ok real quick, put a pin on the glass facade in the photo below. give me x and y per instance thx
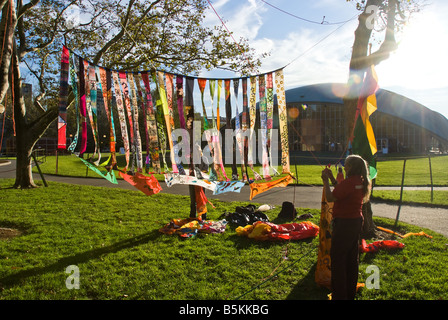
(321, 127)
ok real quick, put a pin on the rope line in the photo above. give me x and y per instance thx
(276, 274)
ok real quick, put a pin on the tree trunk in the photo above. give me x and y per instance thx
(369, 227)
(27, 133)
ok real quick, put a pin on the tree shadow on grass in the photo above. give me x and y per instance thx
(79, 258)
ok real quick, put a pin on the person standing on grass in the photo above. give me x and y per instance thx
(348, 197)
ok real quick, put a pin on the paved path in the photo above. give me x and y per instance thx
(435, 219)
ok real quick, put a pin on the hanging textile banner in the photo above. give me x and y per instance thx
(143, 102)
(217, 153)
(263, 125)
(108, 175)
(151, 125)
(228, 186)
(82, 106)
(121, 117)
(189, 112)
(172, 178)
(63, 98)
(283, 119)
(245, 122)
(218, 118)
(127, 104)
(74, 85)
(148, 185)
(270, 119)
(323, 268)
(166, 112)
(238, 131)
(134, 108)
(105, 78)
(229, 126)
(93, 112)
(257, 188)
(252, 119)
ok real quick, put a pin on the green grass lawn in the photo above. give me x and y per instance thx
(112, 236)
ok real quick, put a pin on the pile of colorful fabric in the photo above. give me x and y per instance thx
(380, 244)
(270, 231)
(190, 227)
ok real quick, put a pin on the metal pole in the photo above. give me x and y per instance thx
(401, 196)
(40, 172)
(430, 174)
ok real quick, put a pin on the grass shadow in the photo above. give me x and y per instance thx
(78, 258)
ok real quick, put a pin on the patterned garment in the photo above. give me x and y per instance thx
(147, 185)
(257, 188)
(121, 117)
(63, 98)
(283, 119)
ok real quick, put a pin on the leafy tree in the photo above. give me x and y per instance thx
(378, 18)
(130, 35)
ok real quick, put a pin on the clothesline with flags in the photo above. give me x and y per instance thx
(155, 94)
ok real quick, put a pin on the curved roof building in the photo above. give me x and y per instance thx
(400, 124)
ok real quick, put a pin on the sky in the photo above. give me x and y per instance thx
(315, 52)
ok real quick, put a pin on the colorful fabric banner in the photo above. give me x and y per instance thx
(82, 106)
(74, 85)
(134, 108)
(105, 78)
(257, 188)
(228, 186)
(121, 116)
(283, 119)
(146, 184)
(229, 126)
(63, 98)
(252, 120)
(363, 138)
(166, 112)
(172, 178)
(189, 112)
(270, 119)
(263, 125)
(238, 131)
(322, 274)
(127, 105)
(108, 175)
(151, 123)
(93, 112)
